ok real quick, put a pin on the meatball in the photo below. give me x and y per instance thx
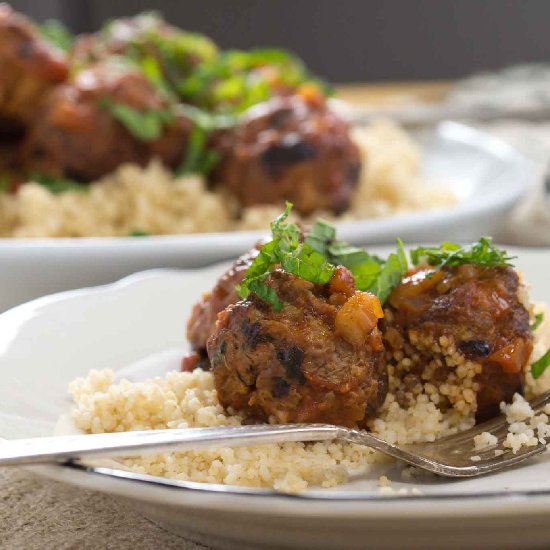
(202, 322)
(319, 359)
(290, 148)
(76, 134)
(147, 36)
(463, 331)
(29, 67)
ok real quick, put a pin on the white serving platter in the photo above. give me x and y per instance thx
(137, 327)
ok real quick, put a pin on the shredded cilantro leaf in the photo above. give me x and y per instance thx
(138, 233)
(294, 256)
(143, 125)
(315, 257)
(266, 293)
(391, 273)
(4, 183)
(538, 367)
(483, 253)
(151, 68)
(539, 318)
(320, 235)
(370, 272)
(199, 159)
(306, 263)
(364, 267)
(235, 80)
(57, 34)
(58, 185)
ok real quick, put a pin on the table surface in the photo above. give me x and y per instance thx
(393, 93)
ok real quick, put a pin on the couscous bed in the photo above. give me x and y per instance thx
(456, 341)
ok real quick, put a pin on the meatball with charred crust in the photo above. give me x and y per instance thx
(29, 67)
(84, 130)
(203, 318)
(290, 148)
(461, 332)
(319, 359)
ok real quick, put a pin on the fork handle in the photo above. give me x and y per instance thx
(41, 450)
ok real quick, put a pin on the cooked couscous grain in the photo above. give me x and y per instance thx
(150, 200)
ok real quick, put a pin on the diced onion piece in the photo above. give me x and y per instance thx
(513, 357)
(358, 317)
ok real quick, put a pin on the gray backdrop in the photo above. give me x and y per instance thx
(350, 40)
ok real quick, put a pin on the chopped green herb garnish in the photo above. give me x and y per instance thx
(235, 80)
(294, 256)
(315, 259)
(143, 125)
(153, 71)
(320, 235)
(391, 274)
(539, 318)
(370, 272)
(483, 253)
(55, 32)
(138, 233)
(538, 367)
(58, 185)
(5, 180)
(176, 51)
(199, 159)
(364, 267)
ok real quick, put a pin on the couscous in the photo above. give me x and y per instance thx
(384, 369)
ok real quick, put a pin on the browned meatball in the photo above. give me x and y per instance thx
(463, 330)
(290, 148)
(29, 67)
(77, 136)
(202, 322)
(319, 359)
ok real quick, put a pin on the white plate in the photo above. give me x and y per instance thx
(46, 343)
(488, 176)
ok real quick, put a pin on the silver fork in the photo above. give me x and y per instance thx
(450, 456)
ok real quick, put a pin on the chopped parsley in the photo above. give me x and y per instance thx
(538, 367)
(315, 259)
(200, 158)
(235, 79)
(5, 180)
(57, 34)
(143, 125)
(391, 273)
(151, 68)
(58, 185)
(483, 253)
(539, 318)
(138, 233)
(285, 249)
(371, 273)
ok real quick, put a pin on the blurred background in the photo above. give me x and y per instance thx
(349, 40)
(485, 63)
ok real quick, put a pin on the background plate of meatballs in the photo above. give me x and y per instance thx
(410, 343)
(142, 129)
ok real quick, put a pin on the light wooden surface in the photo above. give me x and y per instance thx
(393, 93)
